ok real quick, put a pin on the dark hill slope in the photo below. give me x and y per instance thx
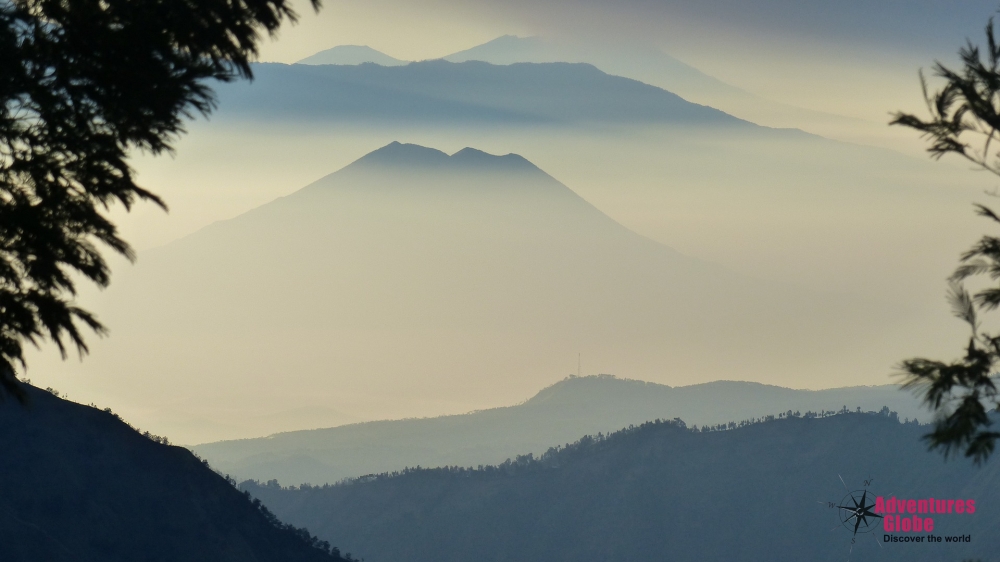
(660, 492)
(560, 413)
(78, 484)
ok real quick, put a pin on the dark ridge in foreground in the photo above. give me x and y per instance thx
(660, 491)
(78, 484)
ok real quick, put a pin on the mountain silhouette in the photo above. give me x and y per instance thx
(442, 92)
(635, 61)
(638, 62)
(757, 493)
(81, 485)
(351, 54)
(459, 276)
(414, 158)
(560, 413)
(652, 66)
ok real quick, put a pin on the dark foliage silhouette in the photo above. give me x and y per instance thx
(81, 84)
(965, 120)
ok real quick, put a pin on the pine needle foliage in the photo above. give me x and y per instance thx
(83, 83)
(965, 120)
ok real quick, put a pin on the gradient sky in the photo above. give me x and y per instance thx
(793, 220)
(851, 57)
(848, 58)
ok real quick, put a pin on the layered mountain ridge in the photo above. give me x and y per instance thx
(658, 491)
(465, 280)
(560, 413)
(438, 92)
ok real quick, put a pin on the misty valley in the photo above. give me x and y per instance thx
(583, 295)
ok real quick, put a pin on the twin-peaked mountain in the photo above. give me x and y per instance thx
(412, 282)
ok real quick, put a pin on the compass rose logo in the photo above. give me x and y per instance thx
(856, 513)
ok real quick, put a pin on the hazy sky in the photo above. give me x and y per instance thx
(829, 217)
(854, 58)
(411, 29)
(851, 57)
(881, 229)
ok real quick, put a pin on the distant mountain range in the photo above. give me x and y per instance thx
(561, 413)
(352, 54)
(78, 484)
(456, 278)
(645, 64)
(441, 92)
(759, 493)
(638, 61)
(651, 65)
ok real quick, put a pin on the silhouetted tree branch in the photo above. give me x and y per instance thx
(82, 82)
(964, 120)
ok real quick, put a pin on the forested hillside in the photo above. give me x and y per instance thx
(559, 413)
(660, 491)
